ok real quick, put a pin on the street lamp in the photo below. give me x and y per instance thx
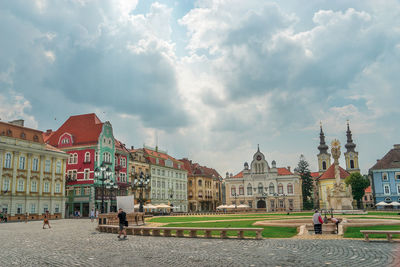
(102, 174)
(142, 182)
(235, 196)
(112, 186)
(171, 196)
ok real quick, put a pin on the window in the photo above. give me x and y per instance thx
(190, 183)
(324, 165)
(107, 157)
(65, 140)
(33, 208)
(75, 158)
(86, 174)
(96, 156)
(6, 185)
(281, 203)
(280, 189)
(290, 203)
(201, 192)
(46, 187)
(47, 165)
(233, 190)
(163, 172)
(351, 164)
(153, 171)
(398, 188)
(290, 189)
(58, 167)
(241, 190)
(20, 187)
(250, 204)
(58, 188)
(22, 163)
(33, 186)
(384, 176)
(272, 204)
(397, 176)
(35, 164)
(123, 162)
(271, 188)
(45, 208)
(71, 159)
(57, 208)
(260, 188)
(386, 189)
(35, 138)
(19, 208)
(123, 177)
(388, 199)
(7, 161)
(77, 191)
(158, 171)
(87, 157)
(200, 182)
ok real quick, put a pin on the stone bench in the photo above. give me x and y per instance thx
(388, 233)
(156, 231)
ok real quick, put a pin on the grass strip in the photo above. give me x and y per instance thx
(354, 232)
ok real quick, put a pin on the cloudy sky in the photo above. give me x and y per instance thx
(211, 79)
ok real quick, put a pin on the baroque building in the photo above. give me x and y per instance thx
(90, 144)
(168, 179)
(264, 187)
(385, 177)
(138, 164)
(204, 187)
(31, 173)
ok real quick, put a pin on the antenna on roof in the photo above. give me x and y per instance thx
(156, 140)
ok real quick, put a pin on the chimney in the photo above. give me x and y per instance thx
(396, 146)
(288, 167)
(132, 148)
(17, 122)
(48, 131)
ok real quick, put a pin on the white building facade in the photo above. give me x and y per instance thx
(263, 187)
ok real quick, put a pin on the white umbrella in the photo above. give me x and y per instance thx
(395, 203)
(163, 206)
(136, 206)
(222, 207)
(231, 207)
(243, 206)
(150, 207)
(382, 203)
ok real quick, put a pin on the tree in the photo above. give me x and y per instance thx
(358, 185)
(306, 183)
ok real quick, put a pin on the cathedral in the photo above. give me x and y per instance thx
(327, 175)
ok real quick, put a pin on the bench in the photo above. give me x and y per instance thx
(388, 233)
(167, 231)
(193, 232)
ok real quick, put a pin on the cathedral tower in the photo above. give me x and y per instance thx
(351, 156)
(324, 158)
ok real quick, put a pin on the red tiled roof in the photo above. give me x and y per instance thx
(52, 148)
(197, 169)
(239, 175)
(151, 155)
(120, 146)
(85, 130)
(20, 132)
(330, 173)
(284, 171)
(368, 189)
(315, 174)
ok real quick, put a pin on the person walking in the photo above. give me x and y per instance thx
(122, 223)
(97, 214)
(46, 219)
(26, 217)
(92, 215)
(317, 221)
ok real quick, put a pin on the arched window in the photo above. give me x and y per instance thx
(324, 165)
(290, 189)
(71, 159)
(271, 188)
(233, 190)
(260, 188)
(35, 138)
(75, 158)
(241, 190)
(87, 157)
(249, 190)
(7, 161)
(280, 189)
(351, 164)
(200, 182)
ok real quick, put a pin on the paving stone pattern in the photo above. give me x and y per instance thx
(76, 243)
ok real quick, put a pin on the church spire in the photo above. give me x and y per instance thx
(323, 147)
(350, 146)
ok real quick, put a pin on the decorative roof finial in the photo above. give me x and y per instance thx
(258, 147)
(323, 147)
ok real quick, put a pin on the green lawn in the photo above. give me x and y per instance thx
(269, 231)
(384, 213)
(354, 232)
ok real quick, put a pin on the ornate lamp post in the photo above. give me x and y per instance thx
(102, 174)
(141, 182)
(171, 196)
(112, 187)
(235, 196)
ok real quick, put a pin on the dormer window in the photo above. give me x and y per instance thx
(65, 141)
(384, 176)
(35, 138)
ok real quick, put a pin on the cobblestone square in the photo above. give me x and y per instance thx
(77, 243)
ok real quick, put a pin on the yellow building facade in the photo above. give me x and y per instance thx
(32, 174)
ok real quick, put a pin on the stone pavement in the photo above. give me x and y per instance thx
(76, 243)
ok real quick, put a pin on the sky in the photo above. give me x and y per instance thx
(209, 79)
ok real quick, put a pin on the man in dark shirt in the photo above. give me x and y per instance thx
(122, 223)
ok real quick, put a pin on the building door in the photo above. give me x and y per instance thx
(261, 204)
